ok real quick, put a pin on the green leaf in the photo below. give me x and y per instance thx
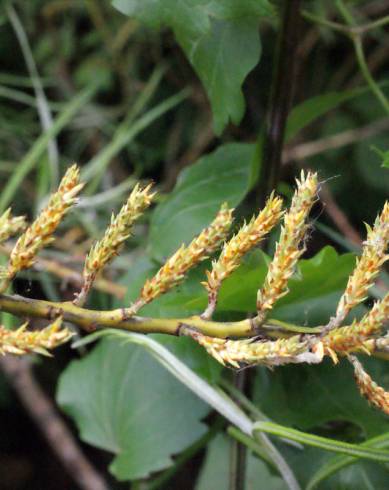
(311, 109)
(214, 35)
(224, 175)
(363, 474)
(123, 402)
(355, 450)
(314, 290)
(214, 56)
(336, 464)
(213, 396)
(311, 396)
(215, 470)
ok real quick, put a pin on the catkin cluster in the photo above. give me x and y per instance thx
(265, 341)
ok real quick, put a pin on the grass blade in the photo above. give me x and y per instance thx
(34, 154)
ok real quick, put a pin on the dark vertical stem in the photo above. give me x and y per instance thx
(238, 451)
(284, 77)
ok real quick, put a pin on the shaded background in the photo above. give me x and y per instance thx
(78, 44)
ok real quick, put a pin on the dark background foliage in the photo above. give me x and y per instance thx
(146, 115)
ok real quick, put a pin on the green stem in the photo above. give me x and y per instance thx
(90, 320)
(350, 28)
(335, 26)
(355, 450)
(355, 32)
(360, 55)
(345, 13)
(383, 21)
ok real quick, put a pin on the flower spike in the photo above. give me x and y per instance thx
(10, 225)
(249, 235)
(186, 257)
(115, 235)
(367, 267)
(375, 394)
(40, 232)
(289, 248)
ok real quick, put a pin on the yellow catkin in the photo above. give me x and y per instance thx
(39, 233)
(351, 337)
(247, 237)
(186, 257)
(10, 225)
(240, 353)
(289, 247)
(367, 267)
(22, 341)
(374, 393)
(117, 232)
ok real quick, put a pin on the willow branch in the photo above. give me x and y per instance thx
(90, 320)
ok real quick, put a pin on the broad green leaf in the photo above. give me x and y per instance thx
(307, 397)
(123, 402)
(355, 450)
(215, 470)
(339, 462)
(221, 176)
(213, 396)
(214, 57)
(214, 35)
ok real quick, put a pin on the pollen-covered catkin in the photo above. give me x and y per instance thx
(289, 248)
(249, 235)
(115, 235)
(39, 233)
(374, 393)
(23, 341)
(10, 225)
(351, 338)
(237, 353)
(186, 257)
(367, 267)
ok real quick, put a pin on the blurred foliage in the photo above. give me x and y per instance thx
(164, 85)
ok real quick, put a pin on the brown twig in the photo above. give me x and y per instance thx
(71, 276)
(339, 217)
(311, 148)
(45, 415)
